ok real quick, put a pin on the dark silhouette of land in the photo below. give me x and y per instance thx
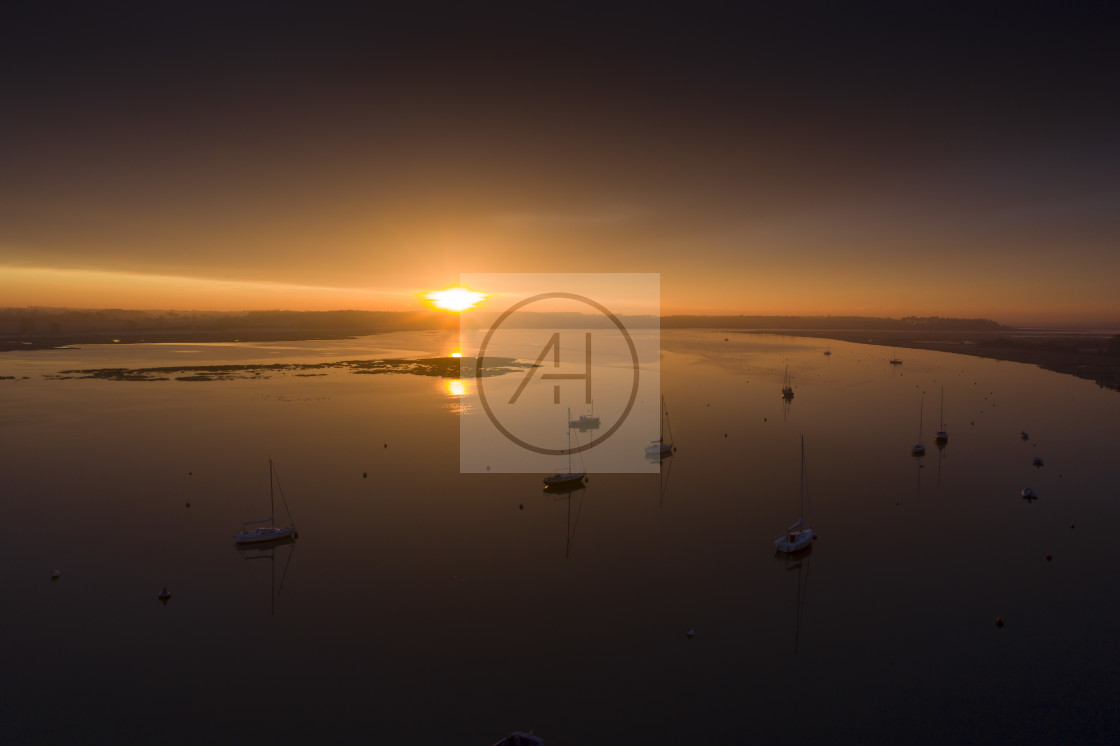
(1087, 354)
(1091, 355)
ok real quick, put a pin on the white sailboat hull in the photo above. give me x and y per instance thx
(794, 541)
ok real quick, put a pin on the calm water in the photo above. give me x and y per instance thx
(421, 605)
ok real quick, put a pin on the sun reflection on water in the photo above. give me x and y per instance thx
(457, 390)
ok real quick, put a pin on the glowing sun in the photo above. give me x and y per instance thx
(457, 299)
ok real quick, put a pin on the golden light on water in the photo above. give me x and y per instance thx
(456, 387)
(455, 299)
(456, 354)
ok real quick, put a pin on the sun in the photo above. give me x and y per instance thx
(456, 299)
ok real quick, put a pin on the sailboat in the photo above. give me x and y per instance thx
(894, 358)
(942, 437)
(659, 447)
(787, 389)
(919, 449)
(269, 531)
(568, 476)
(799, 535)
(828, 352)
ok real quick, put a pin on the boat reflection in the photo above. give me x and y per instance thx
(798, 562)
(665, 470)
(567, 493)
(940, 457)
(267, 551)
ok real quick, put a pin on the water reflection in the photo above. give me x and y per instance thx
(568, 493)
(268, 552)
(458, 391)
(82, 438)
(665, 470)
(799, 563)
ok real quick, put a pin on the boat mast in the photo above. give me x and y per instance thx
(667, 420)
(942, 413)
(569, 440)
(802, 479)
(661, 421)
(921, 414)
(271, 501)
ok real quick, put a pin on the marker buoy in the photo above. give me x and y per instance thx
(690, 633)
(999, 621)
(55, 575)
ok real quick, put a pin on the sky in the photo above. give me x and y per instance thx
(887, 159)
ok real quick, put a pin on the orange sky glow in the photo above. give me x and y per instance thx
(830, 163)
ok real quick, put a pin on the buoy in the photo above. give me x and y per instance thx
(1036, 461)
(521, 506)
(364, 475)
(190, 473)
(690, 633)
(188, 505)
(999, 621)
(764, 419)
(55, 575)
(1049, 557)
(815, 537)
(725, 435)
(164, 595)
(386, 445)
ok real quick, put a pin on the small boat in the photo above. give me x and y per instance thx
(568, 477)
(942, 437)
(659, 447)
(1028, 494)
(1036, 461)
(894, 358)
(164, 595)
(799, 535)
(1023, 435)
(269, 531)
(919, 449)
(586, 421)
(827, 352)
(787, 389)
(518, 738)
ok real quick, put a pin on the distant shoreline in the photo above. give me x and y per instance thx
(61, 340)
(1093, 356)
